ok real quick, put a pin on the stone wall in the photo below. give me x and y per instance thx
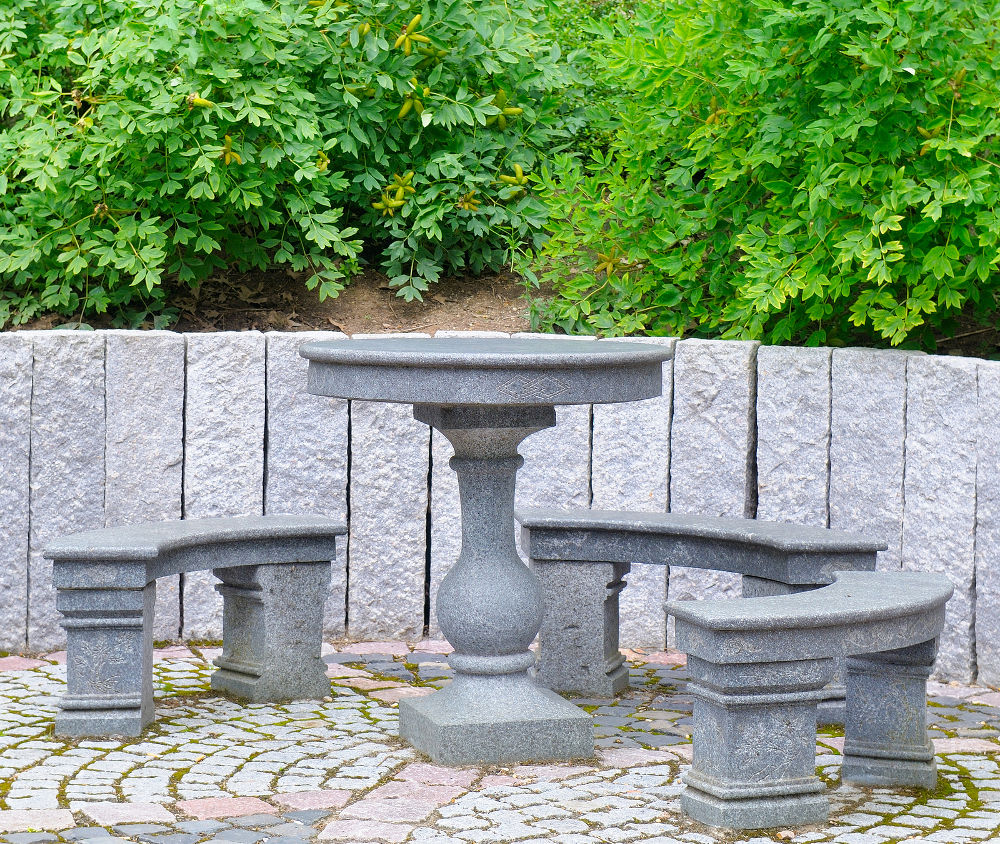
(113, 427)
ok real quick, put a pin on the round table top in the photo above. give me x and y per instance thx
(465, 371)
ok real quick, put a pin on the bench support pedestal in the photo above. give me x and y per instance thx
(490, 608)
(579, 633)
(109, 661)
(885, 737)
(272, 619)
(755, 744)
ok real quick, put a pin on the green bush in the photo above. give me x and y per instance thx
(147, 142)
(814, 171)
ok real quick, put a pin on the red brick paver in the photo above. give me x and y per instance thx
(18, 663)
(428, 774)
(205, 808)
(108, 814)
(394, 648)
(331, 798)
(396, 695)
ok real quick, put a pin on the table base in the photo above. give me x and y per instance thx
(502, 720)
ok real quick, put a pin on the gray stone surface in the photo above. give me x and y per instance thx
(67, 460)
(885, 732)
(939, 517)
(758, 668)
(490, 608)
(712, 441)
(630, 470)
(988, 526)
(223, 450)
(868, 424)
(273, 632)
(15, 443)
(306, 460)
(581, 556)
(793, 434)
(144, 456)
(388, 530)
(273, 613)
(446, 524)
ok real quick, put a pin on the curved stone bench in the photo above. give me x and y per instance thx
(275, 573)
(758, 667)
(582, 557)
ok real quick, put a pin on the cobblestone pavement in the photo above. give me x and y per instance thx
(212, 770)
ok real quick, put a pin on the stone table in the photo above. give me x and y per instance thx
(486, 396)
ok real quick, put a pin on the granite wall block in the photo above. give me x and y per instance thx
(67, 460)
(793, 434)
(630, 470)
(390, 463)
(223, 451)
(306, 461)
(15, 453)
(144, 443)
(987, 541)
(867, 429)
(712, 446)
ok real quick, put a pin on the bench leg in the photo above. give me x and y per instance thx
(754, 759)
(272, 627)
(109, 661)
(831, 706)
(885, 736)
(579, 634)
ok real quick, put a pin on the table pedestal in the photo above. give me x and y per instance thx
(490, 609)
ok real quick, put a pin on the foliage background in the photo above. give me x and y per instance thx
(150, 142)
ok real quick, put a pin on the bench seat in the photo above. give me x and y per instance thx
(275, 573)
(581, 558)
(758, 667)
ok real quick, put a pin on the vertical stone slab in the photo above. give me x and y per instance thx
(144, 443)
(556, 470)
(867, 427)
(630, 470)
(67, 460)
(446, 523)
(712, 443)
(223, 450)
(987, 628)
(387, 562)
(939, 494)
(306, 465)
(793, 434)
(15, 452)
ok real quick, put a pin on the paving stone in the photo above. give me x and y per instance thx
(223, 807)
(322, 799)
(307, 816)
(133, 829)
(81, 833)
(109, 814)
(240, 836)
(266, 819)
(29, 837)
(362, 830)
(27, 820)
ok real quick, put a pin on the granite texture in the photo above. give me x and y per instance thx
(885, 733)
(446, 524)
(67, 460)
(939, 494)
(630, 470)
(144, 455)
(223, 450)
(504, 371)
(868, 425)
(388, 528)
(758, 668)
(712, 442)
(273, 632)
(15, 451)
(987, 628)
(307, 453)
(793, 434)
(273, 613)
(579, 637)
